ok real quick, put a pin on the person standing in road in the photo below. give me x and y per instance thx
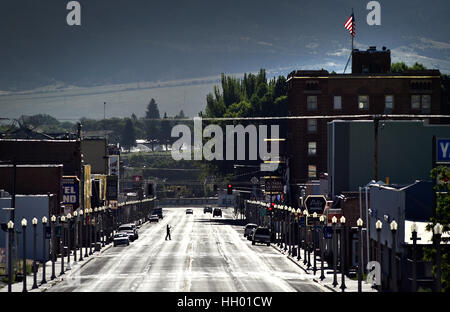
(168, 232)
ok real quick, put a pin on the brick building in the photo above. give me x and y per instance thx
(370, 89)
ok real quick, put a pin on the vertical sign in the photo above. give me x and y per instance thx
(70, 193)
(442, 151)
(114, 165)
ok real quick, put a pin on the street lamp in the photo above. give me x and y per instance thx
(63, 219)
(53, 220)
(34, 222)
(75, 240)
(95, 227)
(314, 236)
(90, 231)
(334, 221)
(343, 238)
(69, 219)
(305, 240)
(322, 239)
(286, 222)
(290, 230)
(359, 223)
(24, 256)
(379, 226)
(87, 226)
(394, 255)
(437, 231)
(10, 268)
(298, 231)
(44, 256)
(80, 225)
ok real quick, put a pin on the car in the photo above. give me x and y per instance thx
(250, 235)
(158, 212)
(207, 209)
(261, 235)
(248, 229)
(217, 212)
(153, 218)
(121, 238)
(189, 211)
(130, 229)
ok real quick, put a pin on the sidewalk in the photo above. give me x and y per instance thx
(327, 282)
(74, 267)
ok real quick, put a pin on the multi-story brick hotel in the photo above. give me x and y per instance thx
(371, 88)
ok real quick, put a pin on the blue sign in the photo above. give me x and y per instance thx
(443, 151)
(327, 232)
(71, 192)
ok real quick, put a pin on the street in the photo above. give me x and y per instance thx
(205, 254)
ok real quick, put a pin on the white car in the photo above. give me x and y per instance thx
(248, 229)
(121, 238)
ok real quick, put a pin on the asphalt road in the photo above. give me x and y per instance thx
(205, 254)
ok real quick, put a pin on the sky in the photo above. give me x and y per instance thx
(129, 41)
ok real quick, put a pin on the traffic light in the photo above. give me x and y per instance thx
(229, 189)
(272, 206)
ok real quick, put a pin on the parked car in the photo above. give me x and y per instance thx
(189, 211)
(121, 238)
(130, 229)
(250, 235)
(261, 235)
(217, 212)
(158, 212)
(207, 209)
(153, 218)
(248, 229)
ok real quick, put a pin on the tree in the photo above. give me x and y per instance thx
(128, 135)
(166, 128)
(152, 110)
(180, 115)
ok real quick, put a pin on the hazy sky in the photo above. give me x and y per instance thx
(121, 41)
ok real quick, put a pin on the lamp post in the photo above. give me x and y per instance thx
(75, 240)
(286, 211)
(53, 220)
(359, 223)
(314, 242)
(299, 233)
(334, 221)
(103, 225)
(290, 231)
(394, 255)
(10, 236)
(24, 255)
(95, 227)
(378, 226)
(90, 231)
(343, 232)
(44, 256)
(437, 230)
(322, 222)
(34, 222)
(80, 223)
(86, 219)
(305, 239)
(69, 219)
(63, 220)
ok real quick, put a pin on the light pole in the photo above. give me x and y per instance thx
(44, 256)
(286, 212)
(80, 223)
(75, 240)
(322, 222)
(10, 236)
(87, 222)
(394, 255)
(334, 221)
(69, 219)
(34, 222)
(290, 230)
(379, 226)
(299, 233)
(314, 236)
(24, 256)
(343, 236)
(63, 219)
(103, 225)
(90, 231)
(95, 227)
(305, 239)
(53, 220)
(437, 230)
(359, 223)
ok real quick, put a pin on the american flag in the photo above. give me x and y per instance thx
(350, 25)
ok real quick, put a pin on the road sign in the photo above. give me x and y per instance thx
(442, 151)
(327, 232)
(71, 191)
(315, 203)
(273, 185)
(137, 178)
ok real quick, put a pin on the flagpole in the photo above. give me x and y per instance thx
(351, 51)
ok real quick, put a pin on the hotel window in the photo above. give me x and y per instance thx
(311, 102)
(415, 101)
(363, 102)
(312, 171)
(312, 125)
(337, 102)
(389, 102)
(312, 148)
(426, 104)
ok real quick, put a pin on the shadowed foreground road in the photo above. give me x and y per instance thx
(205, 254)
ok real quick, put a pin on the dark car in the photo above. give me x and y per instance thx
(153, 218)
(217, 212)
(189, 211)
(261, 235)
(207, 209)
(158, 212)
